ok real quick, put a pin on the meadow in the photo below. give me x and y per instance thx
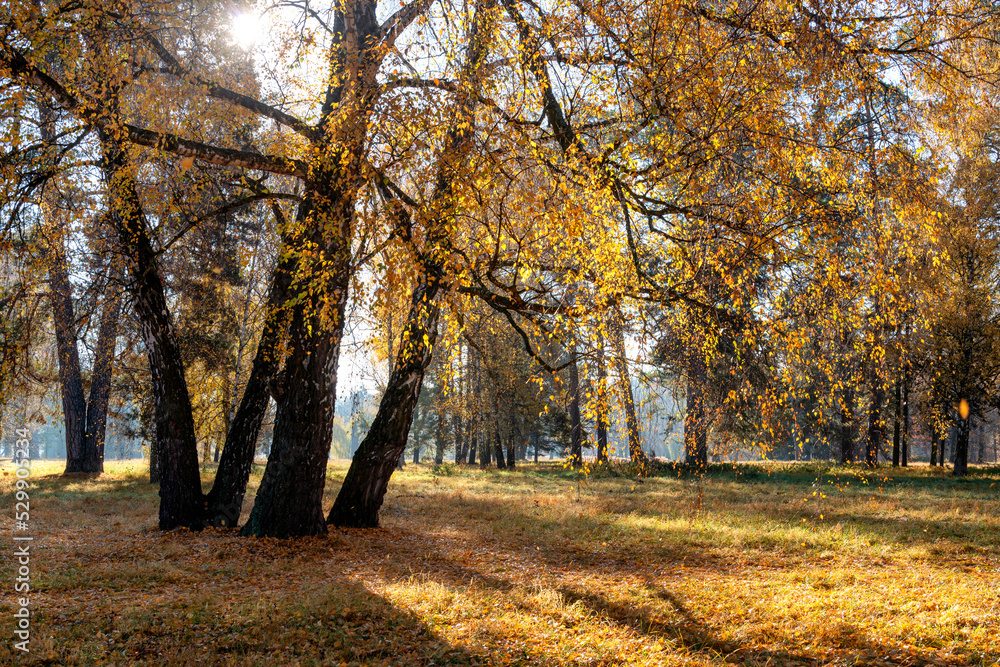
(752, 564)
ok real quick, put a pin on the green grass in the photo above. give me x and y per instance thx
(757, 564)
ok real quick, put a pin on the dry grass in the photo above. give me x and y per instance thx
(756, 565)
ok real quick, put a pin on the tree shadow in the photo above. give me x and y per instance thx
(843, 642)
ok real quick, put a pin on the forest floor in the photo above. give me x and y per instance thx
(765, 564)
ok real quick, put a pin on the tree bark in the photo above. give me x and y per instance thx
(895, 427)
(181, 497)
(904, 451)
(225, 500)
(456, 419)
(74, 403)
(439, 436)
(364, 487)
(847, 427)
(602, 403)
(934, 445)
(695, 417)
(875, 423)
(460, 444)
(472, 422)
(961, 466)
(100, 378)
(511, 448)
(498, 446)
(485, 449)
(289, 501)
(576, 426)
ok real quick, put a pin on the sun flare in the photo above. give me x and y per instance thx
(246, 29)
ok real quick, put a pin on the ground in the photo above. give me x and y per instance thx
(765, 564)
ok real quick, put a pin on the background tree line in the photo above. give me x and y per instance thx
(537, 217)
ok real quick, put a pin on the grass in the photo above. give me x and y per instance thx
(753, 564)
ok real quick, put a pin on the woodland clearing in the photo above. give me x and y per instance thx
(753, 564)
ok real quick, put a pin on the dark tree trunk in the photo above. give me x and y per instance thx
(154, 462)
(904, 451)
(181, 497)
(512, 449)
(100, 379)
(416, 448)
(536, 438)
(498, 447)
(289, 501)
(934, 445)
(961, 467)
(875, 424)
(439, 437)
(602, 403)
(625, 386)
(225, 500)
(460, 444)
(895, 426)
(364, 487)
(485, 449)
(847, 427)
(576, 426)
(695, 417)
(74, 403)
(470, 436)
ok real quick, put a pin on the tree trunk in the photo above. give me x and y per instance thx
(695, 417)
(456, 419)
(485, 449)
(364, 487)
(934, 445)
(225, 500)
(875, 424)
(602, 403)
(904, 451)
(895, 426)
(961, 467)
(100, 378)
(439, 436)
(74, 403)
(576, 426)
(460, 444)
(498, 448)
(181, 497)
(154, 462)
(511, 448)
(470, 436)
(289, 501)
(846, 427)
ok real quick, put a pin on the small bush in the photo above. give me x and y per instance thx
(444, 470)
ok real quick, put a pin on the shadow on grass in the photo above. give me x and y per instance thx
(325, 620)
